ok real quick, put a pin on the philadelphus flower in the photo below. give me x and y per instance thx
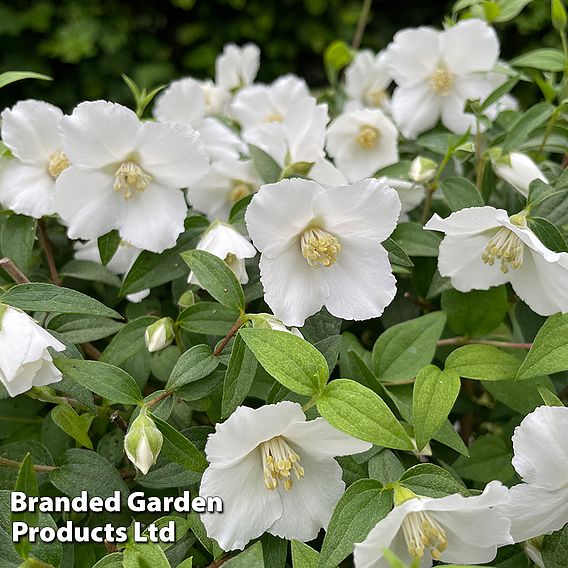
(366, 81)
(454, 529)
(229, 245)
(540, 504)
(237, 66)
(483, 247)
(323, 247)
(361, 142)
(126, 175)
(275, 473)
(518, 170)
(437, 72)
(226, 183)
(27, 183)
(159, 335)
(411, 194)
(25, 361)
(143, 442)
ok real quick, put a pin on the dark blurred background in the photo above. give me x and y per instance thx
(85, 45)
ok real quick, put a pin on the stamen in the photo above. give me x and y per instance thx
(422, 532)
(368, 137)
(58, 161)
(129, 178)
(506, 247)
(375, 97)
(442, 82)
(240, 190)
(320, 247)
(278, 461)
(273, 117)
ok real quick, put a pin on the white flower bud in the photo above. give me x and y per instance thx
(159, 335)
(143, 442)
(422, 169)
(518, 170)
(186, 300)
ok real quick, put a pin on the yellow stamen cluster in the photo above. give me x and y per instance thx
(442, 82)
(278, 463)
(319, 247)
(421, 532)
(273, 117)
(131, 178)
(506, 247)
(240, 190)
(375, 97)
(368, 137)
(58, 161)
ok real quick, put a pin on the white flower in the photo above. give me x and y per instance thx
(436, 72)
(25, 361)
(362, 142)
(275, 473)
(214, 97)
(483, 247)
(185, 102)
(27, 183)
(540, 504)
(453, 529)
(323, 247)
(261, 104)
(226, 183)
(237, 66)
(229, 245)
(518, 170)
(411, 194)
(366, 81)
(126, 175)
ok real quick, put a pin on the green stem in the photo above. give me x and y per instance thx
(467, 341)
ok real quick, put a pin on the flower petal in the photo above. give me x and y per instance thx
(415, 109)
(469, 221)
(454, 118)
(219, 140)
(183, 102)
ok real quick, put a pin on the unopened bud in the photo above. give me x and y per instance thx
(558, 12)
(297, 169)
(422, 169)
(186, 300)
(159, 335)
(518, 170)
(143, 442)
(268, 321)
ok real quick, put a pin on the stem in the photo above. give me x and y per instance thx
(361, 24)
(16, 274)
(227, 338)
(219, 562)
(549, 128)
(119, 421)
(91, 351)
(434, 185)
(48, 251)
(39, 468)
(159, 398)
(466, 341)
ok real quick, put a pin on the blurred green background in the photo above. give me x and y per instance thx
(85, 45)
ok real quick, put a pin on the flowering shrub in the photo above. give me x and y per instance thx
(344, 313)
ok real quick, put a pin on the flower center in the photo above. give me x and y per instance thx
(507, 248)
(375, 97)
(421, 532)
(240, 190)
(273, 117)
(367, 137)
(442, 82)
(58, 162)
(130, 177)
(319, 247)
(278, 461)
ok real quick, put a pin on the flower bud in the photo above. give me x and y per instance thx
(518, 170)
(268, 321)
(143, 442)
(186, 300)
(422, 169)
(159, 335)
(558, 12)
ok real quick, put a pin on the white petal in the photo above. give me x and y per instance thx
(415, 109)
(48, 373)
(470, 46)
(99, 133)
(411, 194)
(27, 190)
(246, 428)
(223, 240)
(249, 509)
(308, 506)
(519, 172)
(469, 221)
(453, 116)
(320, 439)
(30, 131)
(272, 138)
(172, 154)
(326, 174)
(237, 66)
(279, 212)
(220, 141)
(182, 102)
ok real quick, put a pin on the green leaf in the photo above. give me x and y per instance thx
(520, 130)
(549, 353)
(27, 483)
(108, 245)
(303, 556)
(74, 425)
(360, 412)
(509, 9)
(360, 508)
(434, 395)
(475, 313)
(216, 277)
(238, 378)
(113, 560)
(78, 328)
(128, 342)
(336, 56)
(291, 360)
(544, 59)
(548, 234)
(144, 555)
(398, 259)
(17, 239)
(208, 318)
(41, 297)
(490, 458)
(103, 379)
(194, 364)
(415, 240)
(265, 165)
(12, 76)
(403, 349)
(385, 467)
(179, 449)
(499, 92)
(431, 480)
(555, 549)
(483, 362)
(250, 558)
(548, 397)
(460, 193)
(90, 271)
